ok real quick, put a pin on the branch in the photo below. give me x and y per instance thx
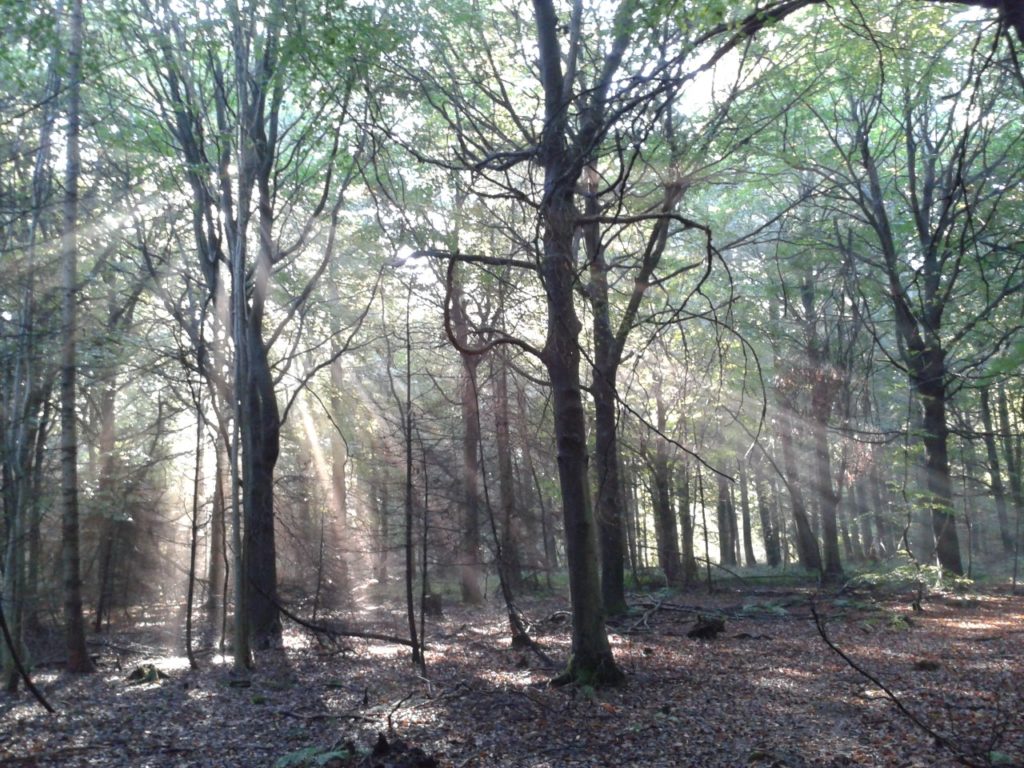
(941, 740)
(504, 338)
(491, 261)
(17, 663)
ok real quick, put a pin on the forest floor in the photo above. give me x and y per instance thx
(767, 691)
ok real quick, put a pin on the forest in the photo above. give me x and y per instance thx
(491, 383)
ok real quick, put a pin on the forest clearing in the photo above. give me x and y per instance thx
(766, 691)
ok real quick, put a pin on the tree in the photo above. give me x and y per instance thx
(925, 177)
(74, 622)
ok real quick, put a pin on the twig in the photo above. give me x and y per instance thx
(395, 709)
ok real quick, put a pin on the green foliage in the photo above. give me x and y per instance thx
(646, 579)
(908, 575)
(774, 608)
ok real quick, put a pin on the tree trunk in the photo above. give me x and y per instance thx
(510, 524)
(883, 529)
(108, 499)
(806, 543)
(261, 427)
(665, 519)
(591, 654)
(665, 527)
(74, 622)
(217, 553)
(748, 539)
(940, 491)
(726, 542)
(470, 566)
(828, 499)
(592, 660)
(995, 473)
(1013, 468)
(337, 527)
(689, 562)
(606, 446)
(769, 531)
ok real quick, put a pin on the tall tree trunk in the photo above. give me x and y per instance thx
(591, 654)
(940, 490)
(606, 447)
(35, 512)
(769, 531)
(748, 538)
(828, 499)
(726, 542)
(1013, 467)
(217, 553)
(74, 622)
(592, 660)
(806, 543)
(260, 446)
(337, 529)
(689, 562)
(995, 473)
(665, 527)
(470, 566)
(665, 520)
(510, 524)
(880, 515)
(108, 499)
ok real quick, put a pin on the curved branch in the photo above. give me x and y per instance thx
(483, 349)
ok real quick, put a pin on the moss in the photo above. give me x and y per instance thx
(603, 672)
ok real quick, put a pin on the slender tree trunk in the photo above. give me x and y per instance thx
(995, 473)
(689, 562)
(215, 566)
(108, 499)
(806, 543)
(1013, 464)
(74, 622)
(665, 527)
(606, 447)
(748, 538)
(828, 499)
(769, 530)
(407, 428)
(35, 513)
(726, 543)
(337, 529)
(197, 481)
(470, 566)
(631, 524)
(883, 529)
(940, 491)
(665, 519)
(510, 524)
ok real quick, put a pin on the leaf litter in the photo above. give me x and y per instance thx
(761, 690)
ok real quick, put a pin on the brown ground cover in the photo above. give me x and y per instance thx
(767, 691)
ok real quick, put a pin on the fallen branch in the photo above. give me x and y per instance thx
(943, 741)
(334, 632)
(20, 667)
